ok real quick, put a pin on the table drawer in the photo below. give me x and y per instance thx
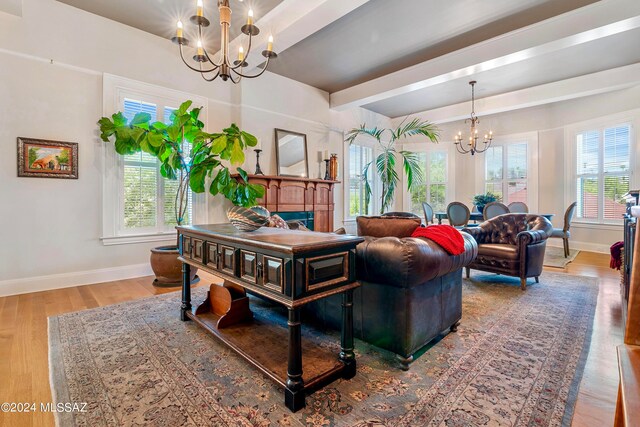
(249, 266)
(211, 259)
(272, 273)
(227, 259)
(185, 246)
(197, 250)
(326, 270)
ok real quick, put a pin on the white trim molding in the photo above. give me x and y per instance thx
(76, 278)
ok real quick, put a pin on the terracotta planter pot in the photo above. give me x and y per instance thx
(167, 268)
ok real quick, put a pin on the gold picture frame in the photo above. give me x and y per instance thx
(41, 158)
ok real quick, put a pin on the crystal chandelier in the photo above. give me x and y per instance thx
(222, 67)
(472, 146)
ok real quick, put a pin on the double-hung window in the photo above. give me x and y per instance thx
(434, 169)
(602, 172)
(139, 203)
(506, 171)
(359, 157)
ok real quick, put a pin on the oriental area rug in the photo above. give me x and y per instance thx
(516, 360)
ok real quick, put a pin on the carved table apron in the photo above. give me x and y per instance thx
(289, 267)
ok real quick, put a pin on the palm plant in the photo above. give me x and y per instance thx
(385, 162)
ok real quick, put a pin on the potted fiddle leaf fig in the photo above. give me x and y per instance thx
(204, 164)
(385, 162)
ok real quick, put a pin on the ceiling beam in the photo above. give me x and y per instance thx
(587, 24)
(291, 22)
(563, 90)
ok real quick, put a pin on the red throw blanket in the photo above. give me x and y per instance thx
(444, 235)
(616, 255)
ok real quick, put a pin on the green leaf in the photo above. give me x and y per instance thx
(249, 139)
(183, 108)
(237, 155)
(107, 128)
(167, 171)
(197, 178)
(243, 175)
(159, 126)
(141, 118)
(119, 119)
(173, 132)
(155, 139)
(219, 144)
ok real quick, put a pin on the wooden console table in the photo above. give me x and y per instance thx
(289, 267)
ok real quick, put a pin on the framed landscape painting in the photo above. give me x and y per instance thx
(47, 159)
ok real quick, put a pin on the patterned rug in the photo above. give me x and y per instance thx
(516, 360)
(554, 257)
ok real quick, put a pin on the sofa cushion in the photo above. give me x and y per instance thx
(386, 226)
(498, 250)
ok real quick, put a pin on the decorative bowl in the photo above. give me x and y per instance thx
(247, 219)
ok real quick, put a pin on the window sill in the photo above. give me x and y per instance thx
(139, 238)
(596, 225)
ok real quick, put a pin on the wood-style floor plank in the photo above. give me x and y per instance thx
(24, 368)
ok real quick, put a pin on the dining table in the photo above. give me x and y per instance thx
(477, 216)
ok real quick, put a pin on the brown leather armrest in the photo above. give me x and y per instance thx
(478, 233)
(532, 237)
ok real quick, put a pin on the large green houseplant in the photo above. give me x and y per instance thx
(204, 164)
(385, 162)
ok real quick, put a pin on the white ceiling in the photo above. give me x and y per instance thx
(405, 57)
(383, 36)
(598, 55)
(159, 17)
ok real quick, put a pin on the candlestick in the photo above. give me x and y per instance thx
(200, 49)
(258, 170)
(250, 17)
(179, 29)
(199, 8)
(241, 54)
(270, 44)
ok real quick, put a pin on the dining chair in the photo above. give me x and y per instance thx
(428, 213)
(494, 209)
(563, 233)
(458, 214)
(518, 207)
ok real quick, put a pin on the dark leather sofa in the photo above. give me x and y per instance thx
(411, 290)
(511, 244)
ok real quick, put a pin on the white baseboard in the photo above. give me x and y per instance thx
(582, 246)
(77, 278)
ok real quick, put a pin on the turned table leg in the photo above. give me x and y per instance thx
(186, 291)
(346, 337)
(294, 392)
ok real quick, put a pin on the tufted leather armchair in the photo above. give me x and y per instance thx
(511, 244)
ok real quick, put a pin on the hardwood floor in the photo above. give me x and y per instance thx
(24, 375)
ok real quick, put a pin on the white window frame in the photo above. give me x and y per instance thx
(531, 139)
(115, 90)
(631, 118)
(429, 147)
(375, 202)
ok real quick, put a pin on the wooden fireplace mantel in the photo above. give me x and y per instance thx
(293, 194)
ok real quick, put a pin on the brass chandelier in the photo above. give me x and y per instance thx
(222, 67)
(472, 146)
